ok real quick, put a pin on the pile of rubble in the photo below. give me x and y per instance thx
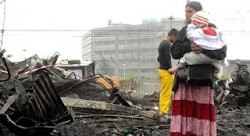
(40, 98)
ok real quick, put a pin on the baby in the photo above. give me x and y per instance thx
(208, 38)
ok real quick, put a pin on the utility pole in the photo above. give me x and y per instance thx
(93, 44)
(116, 56)
(124, 70)
(171, 22)
(138, 56)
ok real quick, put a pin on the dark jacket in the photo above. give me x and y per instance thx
(199, 72)
(164, 57)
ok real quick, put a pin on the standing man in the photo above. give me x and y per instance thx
(166, 79)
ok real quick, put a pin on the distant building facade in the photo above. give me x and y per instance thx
(127, 50)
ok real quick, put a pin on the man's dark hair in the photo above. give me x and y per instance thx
(173, 31)
(194, 5)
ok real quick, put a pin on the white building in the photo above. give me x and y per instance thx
(127, 50)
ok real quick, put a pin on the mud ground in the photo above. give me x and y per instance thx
(232, 120)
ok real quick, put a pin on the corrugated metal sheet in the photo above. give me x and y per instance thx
(47, 106)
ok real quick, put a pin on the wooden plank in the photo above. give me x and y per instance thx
(98, 105)
(113, 118)
(144, 121)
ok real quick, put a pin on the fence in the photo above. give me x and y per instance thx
(141, 87)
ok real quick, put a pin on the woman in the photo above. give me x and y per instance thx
(193, 111)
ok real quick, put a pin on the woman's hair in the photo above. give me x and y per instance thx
(194, 5)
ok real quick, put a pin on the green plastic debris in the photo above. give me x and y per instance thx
(127, 131)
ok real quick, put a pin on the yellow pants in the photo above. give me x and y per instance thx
(166, 84)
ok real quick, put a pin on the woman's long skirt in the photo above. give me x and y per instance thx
(193, 111)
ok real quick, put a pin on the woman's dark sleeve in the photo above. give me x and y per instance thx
(181, 45)
(219, 54)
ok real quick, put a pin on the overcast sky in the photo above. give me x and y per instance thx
(83, 15)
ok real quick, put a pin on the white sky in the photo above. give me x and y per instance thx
(83, 15)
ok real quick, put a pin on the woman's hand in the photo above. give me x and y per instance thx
(195, 48)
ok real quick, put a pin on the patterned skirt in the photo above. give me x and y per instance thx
(193, 111)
